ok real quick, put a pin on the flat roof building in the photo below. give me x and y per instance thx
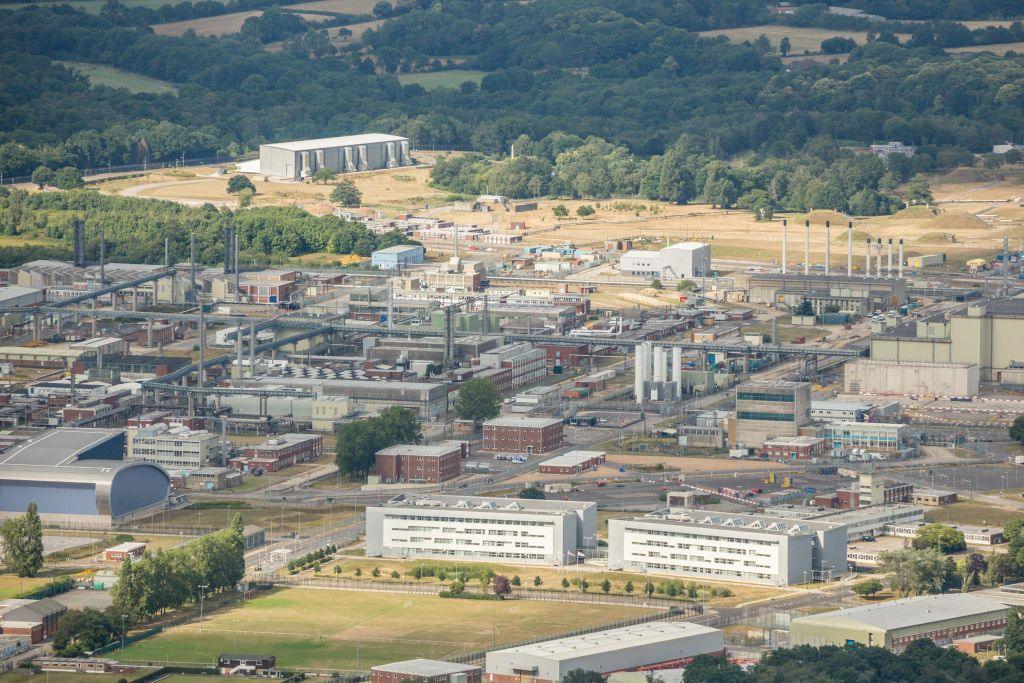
(425, 671)
(658, 644)
(80, 475)
(766, 409)
(300, 159)
(894, 625)
(728, 546)
(398, 256)
(522, 434)
(174, 447)
(572, 462)
(683, 260)
(421, 463)
(541, 532)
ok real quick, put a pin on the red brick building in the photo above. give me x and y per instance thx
(425, 671)
(432, 464)
(522, 434)
(120, 553)
(35, 619)
(280, 452)
(565, 355)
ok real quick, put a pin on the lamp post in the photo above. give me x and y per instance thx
(202, 594)
(124, 618)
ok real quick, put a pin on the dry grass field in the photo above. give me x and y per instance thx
(227, 24)
(389, 190)
(223, 25)
(339, 6)
(996, 48)
(801, 39)
(976, 207)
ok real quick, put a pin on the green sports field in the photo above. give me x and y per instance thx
(345, 630)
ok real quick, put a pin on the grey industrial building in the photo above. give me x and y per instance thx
(302, 158)
(80, 476)
(654, 645)
(862, 295)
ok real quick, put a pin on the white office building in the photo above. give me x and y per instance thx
(542, 532)
(727, 546)
(883, 437)
(685, 260)
(176, 448)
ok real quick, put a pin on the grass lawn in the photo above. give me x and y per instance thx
(551, 577)
(432, 80)
(12, 584)
(972, 512)
(70, 677)
(336, 630)
(99, 74)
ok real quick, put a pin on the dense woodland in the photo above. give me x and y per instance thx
(135, 229)
(632, 73)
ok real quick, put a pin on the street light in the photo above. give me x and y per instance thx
(202, 594)
(124, 617)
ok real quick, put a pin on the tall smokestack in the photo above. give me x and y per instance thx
(238, 275)
(783, 246)
(867, 262)
(849, 249)
(828, 248)
(807, 247)
(899, 265)
(889, 269)
(878, 259)
(167, 251)
(103, 260)
(192, 262)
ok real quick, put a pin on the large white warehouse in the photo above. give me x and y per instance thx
(685, 260)
(302, 158)
(650, 645)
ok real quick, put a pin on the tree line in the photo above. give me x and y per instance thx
(567, 165)
(135, 229)
(357, 442)
(169, 579)
(633, 74)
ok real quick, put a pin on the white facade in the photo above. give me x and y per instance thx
(685, 260)
(173, 447)
(865, 376)
(873, 520)
(619, 649)
(726, 547)
(885, 437)
(541, 532)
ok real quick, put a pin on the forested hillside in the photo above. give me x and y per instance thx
(632, 73)
(135, 229)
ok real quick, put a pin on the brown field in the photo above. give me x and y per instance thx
(996, 48)
(389, 190)
(550, 577)
(801, 39)
(223, 25)
(339, 6)
(227, 24)
(982, 23)
(976, 207)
